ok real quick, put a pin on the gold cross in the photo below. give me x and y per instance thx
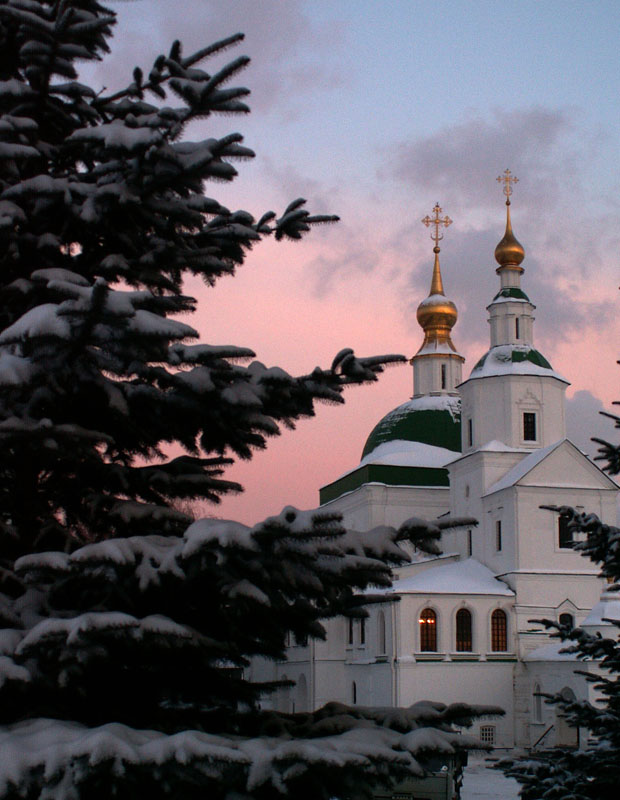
(507, 179)
(436, 221)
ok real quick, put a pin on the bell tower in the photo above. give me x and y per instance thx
(513, 397)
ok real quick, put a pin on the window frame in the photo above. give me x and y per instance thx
(565, 535)
(464, 638)
(499, 631)
(428, 628)
(529, 421)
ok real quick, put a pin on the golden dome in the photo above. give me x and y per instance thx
(436, 314)
(509, 252)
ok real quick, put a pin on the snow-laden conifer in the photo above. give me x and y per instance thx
(126, 630)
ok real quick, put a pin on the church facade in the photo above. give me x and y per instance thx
(493, 447)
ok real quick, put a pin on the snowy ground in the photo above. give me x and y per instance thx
(482, 783)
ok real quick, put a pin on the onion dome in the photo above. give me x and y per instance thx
(509, 252)
(436, 314)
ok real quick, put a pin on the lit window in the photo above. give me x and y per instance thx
(487, 734)
(428, 631)
(498, 535)
(565, 534)
(463, 631)
(529, 426)
(499, 631)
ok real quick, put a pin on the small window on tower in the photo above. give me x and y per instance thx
(498, 535)
(443, 376)
(470, 432)
(529, 426)
(469, 544)
(517, 329)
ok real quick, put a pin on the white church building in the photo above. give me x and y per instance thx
(493, 447)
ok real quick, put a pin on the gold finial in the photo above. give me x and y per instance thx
(509, 252)
(436, 314)
(436, 283)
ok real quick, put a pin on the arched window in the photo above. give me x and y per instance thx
(381, 633)
(354, 693)
(499, 631)
(463, 631)
(428, 631)
(567, 619)
(362, 631)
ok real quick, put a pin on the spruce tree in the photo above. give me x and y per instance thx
(126, 629)
(591, 772)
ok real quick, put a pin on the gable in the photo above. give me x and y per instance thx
(567, 466)
(561, 465)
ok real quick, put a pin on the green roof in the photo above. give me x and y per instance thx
(512, 292)
(531, 355)
(386, 474)
(439, 426)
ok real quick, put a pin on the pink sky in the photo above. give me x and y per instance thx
(376, 111)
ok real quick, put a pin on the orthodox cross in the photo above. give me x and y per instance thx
(437, 222)
(507, 179)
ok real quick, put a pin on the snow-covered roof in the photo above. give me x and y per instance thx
(433, 347)
(495, 446)
(514, 359)
(606, 609)
(429, 402)
(551, 652)
(524, 466)
(460, 577)
(402, 453)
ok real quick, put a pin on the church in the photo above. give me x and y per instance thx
(458, 627)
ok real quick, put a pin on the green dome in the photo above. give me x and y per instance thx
(432, 420)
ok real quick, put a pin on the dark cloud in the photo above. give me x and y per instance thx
(281, 69)
(455, 161)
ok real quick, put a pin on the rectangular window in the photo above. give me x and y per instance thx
(469, 544)
(443, 376)
(470, 432)
(350, 636)
(362, 631)
(487, 734)
(529, 426)
(517, 331)
(498, 535)
(565, 534)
